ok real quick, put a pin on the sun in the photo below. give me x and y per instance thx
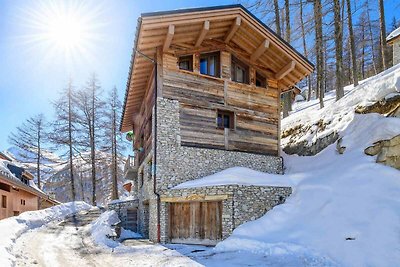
(69, 29)
(66, 31)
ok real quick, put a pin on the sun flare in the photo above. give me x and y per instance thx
(68, 29)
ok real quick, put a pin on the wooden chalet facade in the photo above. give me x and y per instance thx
(204, 86)
(17, 193)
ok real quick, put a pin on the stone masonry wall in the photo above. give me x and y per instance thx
(396, 52)
(121, 208)
(243, 203)
(177, 164)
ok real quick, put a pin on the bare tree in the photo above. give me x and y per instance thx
(89, 107)
(30, 138)
(338, 49)
(319, 50)
(383, 34)
(64, 128)
(277, 18)
(352, 43)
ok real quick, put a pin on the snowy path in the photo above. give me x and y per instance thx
(69, 244)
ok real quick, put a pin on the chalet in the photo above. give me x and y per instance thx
(394, 40)
(203, 95)
(18, 191)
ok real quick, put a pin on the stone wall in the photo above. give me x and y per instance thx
(177, 164)
(241, 203)
(387, 152)
(396, 52)
(121, 208)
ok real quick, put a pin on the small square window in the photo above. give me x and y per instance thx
(240, 71)
(209, 64)
(261, 81)
(186, 63)
(225, 119)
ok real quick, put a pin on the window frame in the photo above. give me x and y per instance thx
(189, 59)
(224, 113)
(3, 201)
(262, 78)
(217, 68)
(236, 63)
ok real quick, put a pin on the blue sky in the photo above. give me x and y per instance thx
(33, 69)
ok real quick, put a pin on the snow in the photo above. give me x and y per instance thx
(13, 227)
(238, 176)
(393, 34)
(344, 210)
(339, 114)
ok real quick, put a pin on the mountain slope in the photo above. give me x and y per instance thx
(344, 210)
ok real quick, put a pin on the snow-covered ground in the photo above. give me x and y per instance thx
(12, 228)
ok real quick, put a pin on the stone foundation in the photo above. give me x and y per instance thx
(121, 208)
(241, 203)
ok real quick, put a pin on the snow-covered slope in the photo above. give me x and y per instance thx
(345, 209)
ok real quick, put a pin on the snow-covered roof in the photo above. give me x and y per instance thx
(394, 34)
(238, 176)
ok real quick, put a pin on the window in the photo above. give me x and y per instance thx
(22, 202)
(186, 63)
(261, 81)
(225, 119)
(209, 64)
(4, 202)
(240, 71)
(5, 187)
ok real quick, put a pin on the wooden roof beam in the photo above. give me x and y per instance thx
(203, 33)
(260, 50)
(235, 26)
(285, 70)
(168, 38)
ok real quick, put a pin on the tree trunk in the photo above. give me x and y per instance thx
(71, 166)
(93, 145)
(277, 18)
(371, 37)
(352, 44)
(383, 34)
(287, 20)
(338, 49)
(114, 148)
(318, 48)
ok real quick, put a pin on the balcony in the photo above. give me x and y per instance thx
(130, 170)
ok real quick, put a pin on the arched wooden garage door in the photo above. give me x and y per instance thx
(195, 222)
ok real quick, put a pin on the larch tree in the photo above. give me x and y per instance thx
(319, 51)
(64, 129)
(30, 137)
(352, 43)
(89, 108)
(338, 49)
(113, 140)
(382, 25)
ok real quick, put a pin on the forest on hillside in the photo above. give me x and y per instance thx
(345, 39)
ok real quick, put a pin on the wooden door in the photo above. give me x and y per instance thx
(196, 222)
(131, 219)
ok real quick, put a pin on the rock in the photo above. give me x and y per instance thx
(340, 149)
(373, 150)
(387, 151)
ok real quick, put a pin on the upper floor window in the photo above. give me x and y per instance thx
(4, 202)
(186, 63)
(240, 71)
(209, 64)
(261, 81)
(225, 119)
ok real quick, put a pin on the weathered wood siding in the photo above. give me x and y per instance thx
(200, 96)
(195, 221)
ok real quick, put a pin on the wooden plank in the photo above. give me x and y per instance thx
(168, 38)
(260, 50)
(285, 70)
(203, 33)
(194, 198)
(235, 26)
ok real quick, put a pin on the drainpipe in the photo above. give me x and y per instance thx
(155, 147)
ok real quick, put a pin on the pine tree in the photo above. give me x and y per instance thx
(352, 43)
(338, 49)
(383, 34)
(319, 50)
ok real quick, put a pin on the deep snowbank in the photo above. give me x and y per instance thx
(240, 176)
(12, 228)
(345, 208)
(103, 227)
